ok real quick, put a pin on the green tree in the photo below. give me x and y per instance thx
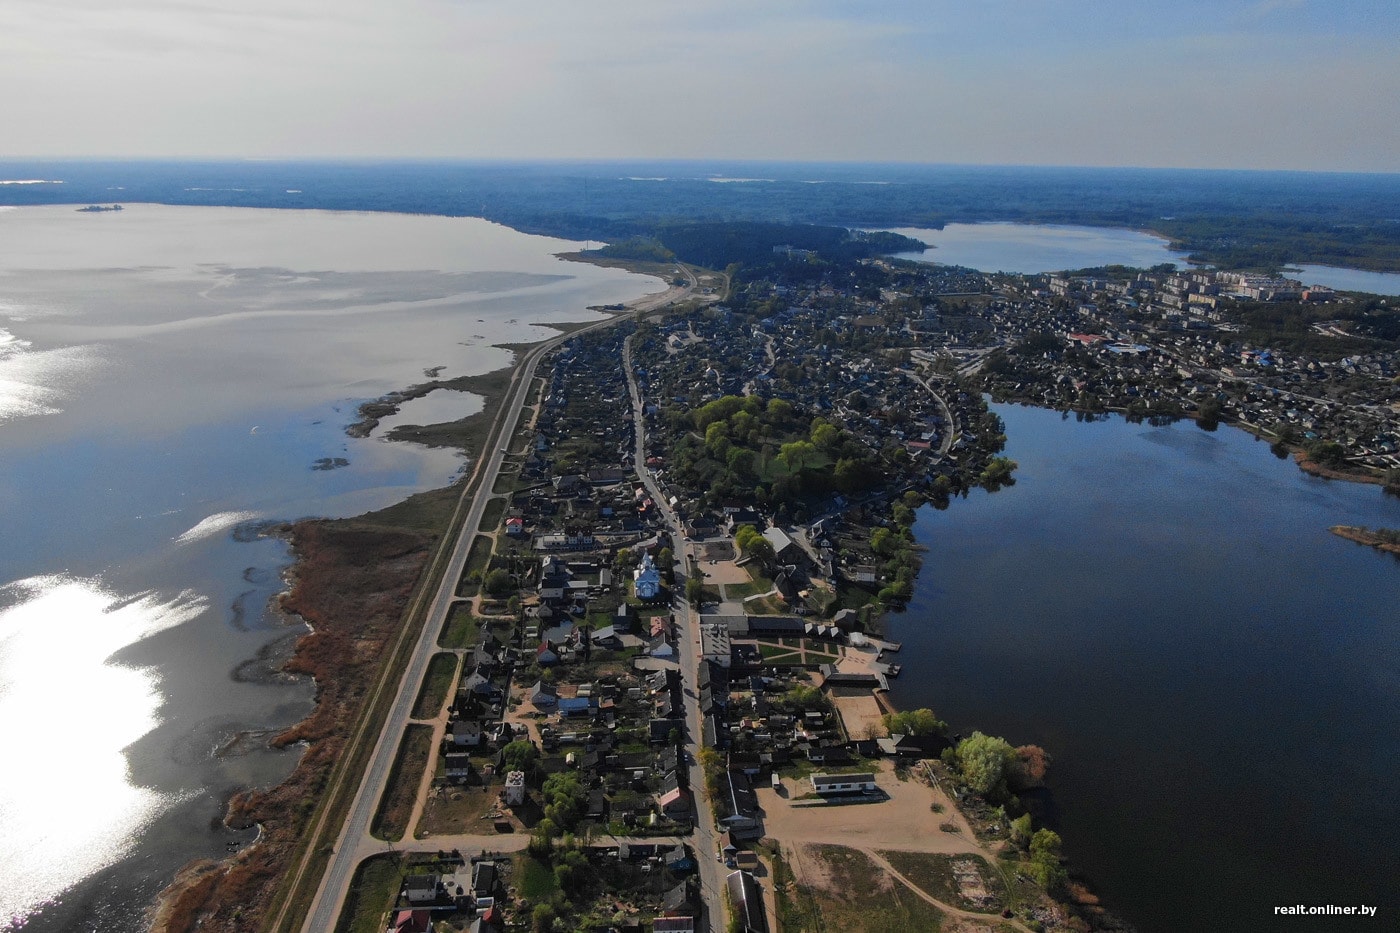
(1021, 830)
(915, 722)
(498, 582)
(694, 591)
(982, 763)
(824, 434)
(1046, 865)
(797, 455)
(519, 755)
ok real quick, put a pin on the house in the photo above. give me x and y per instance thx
(554, 579)
(547, 653)
(737, 797)
(647, 579)
(843, 783)
(544, 696)
(515, 788)
(412, 921)
(466, 733)
(420, 890)
(457, 766)
(670, 924)
(746, 900)
(515, 527)
(912, 746)
(575, 706)
(607, 637)
(485, 877)
(673, 800)
(659, 730)
(659, 647)
(678, 860)
(864, 573)
(785, 550)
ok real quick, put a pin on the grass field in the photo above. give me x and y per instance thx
(437, 682)
(461, 630)
(373, 891)
(857, 895)
(493, 513)
(477, 559)
(534, 878)
(391, 820)
(934, 874)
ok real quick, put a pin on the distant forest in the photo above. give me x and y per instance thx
(1260, 220)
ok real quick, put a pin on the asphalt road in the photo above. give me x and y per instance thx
(354, 843)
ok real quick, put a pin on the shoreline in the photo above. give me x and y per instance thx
(363, 569)
(1367, 537)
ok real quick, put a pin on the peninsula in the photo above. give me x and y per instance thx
(643, 668)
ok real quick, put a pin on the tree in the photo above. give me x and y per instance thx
(983, 761)
(824, 434)
(915, 722)
(1028, 768)
(797, 455)
(519, 755)
(1045, 860)
(498, 582)
(712, 766)
(694, 591)
(1021, 830)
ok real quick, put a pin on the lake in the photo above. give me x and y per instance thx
(1216, 676)
(1352, 280)
(1029, 249)
(169, 375)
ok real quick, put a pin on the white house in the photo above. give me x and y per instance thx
(515, 788)
(843, 783)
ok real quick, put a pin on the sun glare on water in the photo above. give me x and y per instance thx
(67, 807)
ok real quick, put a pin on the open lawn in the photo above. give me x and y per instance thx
(493, 513)
(461, 630)
(981, 888)
(437, 683)
(391, 820)
(373, 891)
(534, 879)
(477, 559)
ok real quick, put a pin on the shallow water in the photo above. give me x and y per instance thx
(169, 375)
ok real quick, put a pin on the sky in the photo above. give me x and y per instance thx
(1256, 84)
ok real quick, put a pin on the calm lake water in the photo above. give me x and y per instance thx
(1354, 280)
(168, 374)
(1216, 675)
(1029, 249)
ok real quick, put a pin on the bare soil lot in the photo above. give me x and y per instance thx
(905, 820)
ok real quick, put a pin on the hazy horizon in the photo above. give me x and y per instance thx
(1292, 85)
